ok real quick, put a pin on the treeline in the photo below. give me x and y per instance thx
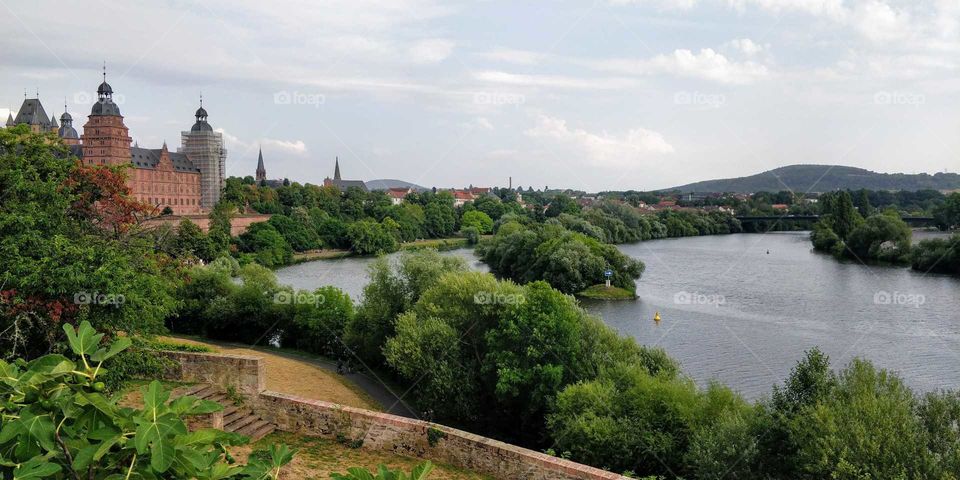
(844, 231)
(310, 217)
(526, 364)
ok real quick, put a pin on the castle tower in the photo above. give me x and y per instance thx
(261, 170)
(106, 140)
(204, 148)
(66, 132)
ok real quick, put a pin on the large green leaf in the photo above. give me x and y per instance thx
(84, 340)
(161, 455)
(35, 468)
(118, 345)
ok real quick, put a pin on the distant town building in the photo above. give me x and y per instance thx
(340, 183)
(398, 194)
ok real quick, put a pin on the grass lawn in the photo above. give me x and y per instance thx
(603, 292)
(317, 458)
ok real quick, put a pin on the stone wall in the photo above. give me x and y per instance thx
(245, 373)
(376, 430)
(405, 436)
(238, 223)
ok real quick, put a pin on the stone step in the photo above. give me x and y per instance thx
(240, 423)
(262, 432)
(253, 427)
(236, 419)
(235, 415)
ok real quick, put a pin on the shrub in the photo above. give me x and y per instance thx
(58, 425)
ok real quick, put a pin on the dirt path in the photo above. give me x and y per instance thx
(299, 376)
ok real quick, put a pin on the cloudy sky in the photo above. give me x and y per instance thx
(608, 94)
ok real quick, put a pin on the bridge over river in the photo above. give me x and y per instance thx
(912, 221)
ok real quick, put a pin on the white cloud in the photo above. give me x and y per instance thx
(232, 142)
(434, 50)
(880, 22)
(483, 123)
(747, 47)
(296, 147)
(510, 55)
(552, 81)
(706, 64)
(659, 4)
(603, 148)
(832, 9)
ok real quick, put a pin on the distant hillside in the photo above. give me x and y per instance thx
(387, 183)
(823, 178)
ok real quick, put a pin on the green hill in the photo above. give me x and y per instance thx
(823, 178)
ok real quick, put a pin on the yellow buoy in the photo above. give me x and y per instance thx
(656, 317)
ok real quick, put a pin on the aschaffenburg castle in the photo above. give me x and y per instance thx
(189, 181)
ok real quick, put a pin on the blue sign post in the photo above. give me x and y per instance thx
(608, 274)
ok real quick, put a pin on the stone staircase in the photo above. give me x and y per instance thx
(236, 419)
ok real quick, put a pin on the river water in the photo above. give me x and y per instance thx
(741, 309)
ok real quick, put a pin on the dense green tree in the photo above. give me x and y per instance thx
(368, 237)
(267, 244)
(884, 236)
(478, 220)
(393, 288)
(296, 231)
(191, 241)
(440, 219)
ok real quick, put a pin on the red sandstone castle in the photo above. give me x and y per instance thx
(188, 181)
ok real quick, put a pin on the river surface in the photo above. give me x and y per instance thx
(741, 309)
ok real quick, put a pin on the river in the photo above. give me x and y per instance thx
(741, 309)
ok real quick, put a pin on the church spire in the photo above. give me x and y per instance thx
(261, 170)
(336, 169)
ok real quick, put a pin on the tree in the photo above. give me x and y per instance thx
(478, 220)
(883, 236)
(947, 215)
(190, 240)
(439, 218)
(562, 204)
(265, 242)
(368, 237)
(392, 289)
(70, 249)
